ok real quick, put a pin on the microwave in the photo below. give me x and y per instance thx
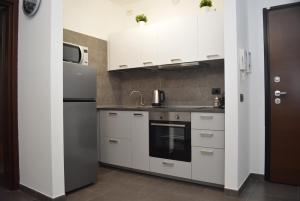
(75, 54)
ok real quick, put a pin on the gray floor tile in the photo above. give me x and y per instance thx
(119, 185)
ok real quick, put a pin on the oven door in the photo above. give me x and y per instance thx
(170, 140)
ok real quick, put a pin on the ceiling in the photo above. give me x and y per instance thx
(124, 2)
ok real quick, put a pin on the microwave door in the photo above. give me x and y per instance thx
(72, 53)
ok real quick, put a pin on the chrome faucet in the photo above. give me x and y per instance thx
(141, 96)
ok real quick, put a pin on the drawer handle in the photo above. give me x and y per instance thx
(113, 114)
(147, 63)
(207, 134)
(212, 56)
(138, 115)
(206, 117)
(207, 152)
(123, 66)
(114, 141)
(175, 60)
(168, 164)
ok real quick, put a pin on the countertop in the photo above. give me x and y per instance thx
(204, 109)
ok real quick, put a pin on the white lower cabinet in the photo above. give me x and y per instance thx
(208, 165)
(140, 140)
(116, 151)
(171, 167)
(124, 139)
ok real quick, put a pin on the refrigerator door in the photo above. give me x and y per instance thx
(80, 144)
(79, 82)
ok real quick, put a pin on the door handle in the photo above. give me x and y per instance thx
(168, 164)
(113, 141)
(176, 60)
(279, 93)
(207, 151)
(207, 134)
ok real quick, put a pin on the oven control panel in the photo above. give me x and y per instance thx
(170, 116)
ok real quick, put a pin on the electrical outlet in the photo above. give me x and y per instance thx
(216, 91)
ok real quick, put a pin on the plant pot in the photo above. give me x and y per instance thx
(141, 23)
(206, 9)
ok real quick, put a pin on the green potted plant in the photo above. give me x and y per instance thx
(206, 4)
(141, 19)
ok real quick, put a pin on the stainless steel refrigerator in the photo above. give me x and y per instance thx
(80, 126)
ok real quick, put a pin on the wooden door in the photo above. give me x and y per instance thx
(8, 94)
(282, 38)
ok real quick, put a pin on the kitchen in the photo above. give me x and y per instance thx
(159, 103)
(144, 89)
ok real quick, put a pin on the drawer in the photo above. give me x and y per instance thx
(115, 151)
(115, 124)
(170, 167)
(208, 138)
(208, 121)
(208, 165)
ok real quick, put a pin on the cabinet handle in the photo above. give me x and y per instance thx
(168, 164)
(113, 141)
(207, 117)
(207, 151)
(212, 55)
(148, 63)
(207, 134)
(113, 114)
(176, 60)
(138, 115)
(123, 66)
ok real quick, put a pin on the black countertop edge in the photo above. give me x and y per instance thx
(163, 109)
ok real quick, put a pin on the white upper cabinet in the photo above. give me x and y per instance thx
(177, 40)
(184, 39)
(211, 36)
(124, 50)
(148, 45)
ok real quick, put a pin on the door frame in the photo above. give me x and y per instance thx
(268, 97)
(11, 150)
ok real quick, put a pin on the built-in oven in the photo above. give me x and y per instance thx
(170, 135)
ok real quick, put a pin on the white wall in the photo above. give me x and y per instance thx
(96, 18)
(231, 96)
(257, 108)
(157, 10)
(243, 138)
(237, 113)
(40, 100)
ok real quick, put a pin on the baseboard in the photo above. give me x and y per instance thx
(41, 196)
(244, 185)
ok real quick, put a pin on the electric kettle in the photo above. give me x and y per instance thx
(158, 97)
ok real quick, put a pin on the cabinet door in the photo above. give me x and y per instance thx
(208, 165)
(208, 121)
(140, 140)
(147, 41)
(123, 50)
(178, 40)
(115, 151)
(170, 167)
(211, 36)
(115, 124)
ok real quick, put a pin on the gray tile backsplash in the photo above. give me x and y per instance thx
(182, 87)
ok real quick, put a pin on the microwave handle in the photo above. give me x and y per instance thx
(81, 54)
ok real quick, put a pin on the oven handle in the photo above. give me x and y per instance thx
(168, 125)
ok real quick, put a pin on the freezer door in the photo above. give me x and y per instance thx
(79, 81)
(80, 144)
